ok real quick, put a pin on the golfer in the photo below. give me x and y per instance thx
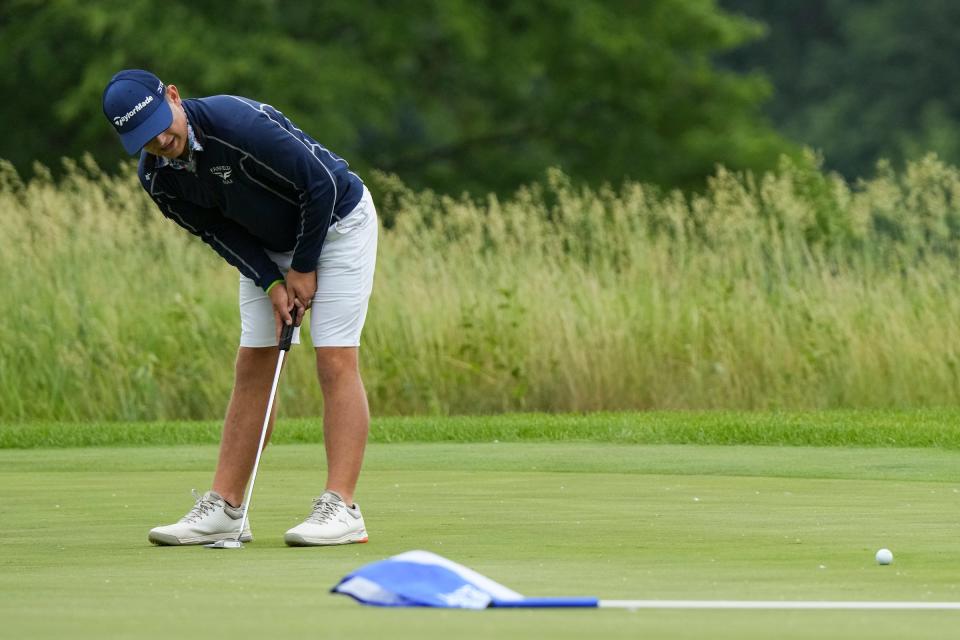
(302, 231)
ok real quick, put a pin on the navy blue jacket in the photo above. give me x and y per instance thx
(259, 183)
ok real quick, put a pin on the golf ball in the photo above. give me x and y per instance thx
(884, 556)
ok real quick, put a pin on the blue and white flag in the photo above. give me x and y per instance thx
(424, 579)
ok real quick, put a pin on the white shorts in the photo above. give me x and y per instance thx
(344, 282)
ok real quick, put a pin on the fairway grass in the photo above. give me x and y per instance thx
(616, 521)
(864, 428)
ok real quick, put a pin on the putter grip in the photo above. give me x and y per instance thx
(286, 336)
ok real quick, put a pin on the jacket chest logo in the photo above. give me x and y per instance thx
(224, 172)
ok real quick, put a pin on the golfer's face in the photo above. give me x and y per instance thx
(172, 142)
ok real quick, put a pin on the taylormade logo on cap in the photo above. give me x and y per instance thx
(122, 120)
(137, 110)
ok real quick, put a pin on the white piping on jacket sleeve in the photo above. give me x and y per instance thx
(311, 150)
(194, 230)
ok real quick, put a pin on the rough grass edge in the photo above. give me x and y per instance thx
(922, 428)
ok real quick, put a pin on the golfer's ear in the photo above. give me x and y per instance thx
(173, 94)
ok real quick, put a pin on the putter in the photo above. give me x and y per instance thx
(286, 337)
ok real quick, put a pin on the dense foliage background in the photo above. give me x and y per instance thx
(448, 94)
(482, 96)
(603, 204)
(860, 79)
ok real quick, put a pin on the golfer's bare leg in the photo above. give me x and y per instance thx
(346, 417)
(241, 428)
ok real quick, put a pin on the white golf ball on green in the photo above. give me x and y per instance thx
(884, 556)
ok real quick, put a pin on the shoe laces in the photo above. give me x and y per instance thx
(201, 509)
(324, 509)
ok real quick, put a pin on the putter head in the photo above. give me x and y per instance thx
(225, 544)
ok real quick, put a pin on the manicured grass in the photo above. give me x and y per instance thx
(915, 428)
(574, 518)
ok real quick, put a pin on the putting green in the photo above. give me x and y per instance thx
(612, 520)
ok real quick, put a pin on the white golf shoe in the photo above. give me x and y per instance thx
(332, 522)
(211, 519)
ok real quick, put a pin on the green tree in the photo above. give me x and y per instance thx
(860, 79)
(448, 94)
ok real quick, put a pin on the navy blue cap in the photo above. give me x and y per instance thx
(134, 103)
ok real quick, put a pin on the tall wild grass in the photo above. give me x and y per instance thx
(787, 290)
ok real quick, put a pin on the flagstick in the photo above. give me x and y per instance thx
(771, 604)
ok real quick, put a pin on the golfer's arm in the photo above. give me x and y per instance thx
(288, 155)
(227, 238)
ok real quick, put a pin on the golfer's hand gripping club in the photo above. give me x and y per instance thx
(286, 335)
